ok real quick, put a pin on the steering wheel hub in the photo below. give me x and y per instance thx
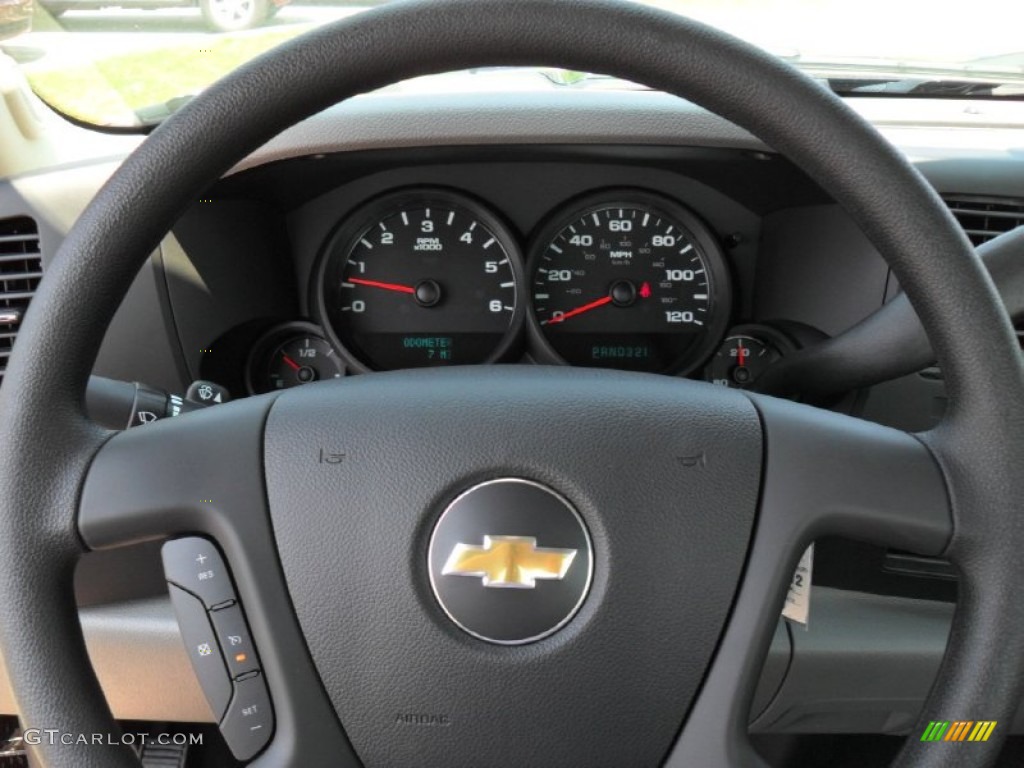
(381, 583)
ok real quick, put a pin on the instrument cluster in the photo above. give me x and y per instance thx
(425, 277)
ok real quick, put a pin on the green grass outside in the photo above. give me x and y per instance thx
(109, 90)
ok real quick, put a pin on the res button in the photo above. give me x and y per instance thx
(195, 565)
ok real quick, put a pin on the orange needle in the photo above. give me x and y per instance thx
(579, 310)
(385, 286)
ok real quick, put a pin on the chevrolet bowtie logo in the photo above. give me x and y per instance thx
(509, 561)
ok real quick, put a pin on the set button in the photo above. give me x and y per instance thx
(249, 721)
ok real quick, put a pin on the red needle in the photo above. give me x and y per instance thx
(385, 286)
(292, 364)
(579, 310)
(742, 353)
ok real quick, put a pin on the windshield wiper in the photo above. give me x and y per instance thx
(984, 78)
(154, 114)
(945, 88)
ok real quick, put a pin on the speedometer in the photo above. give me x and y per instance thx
(422, 278)
(631, 281)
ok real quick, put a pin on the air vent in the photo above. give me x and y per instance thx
(983, 218)
(21, 269)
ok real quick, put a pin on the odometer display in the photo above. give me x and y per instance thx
(422, 279)
(632, 282)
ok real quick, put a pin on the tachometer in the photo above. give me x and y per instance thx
(631, 281)
(424, 278)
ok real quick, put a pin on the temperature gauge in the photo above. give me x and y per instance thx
(290, 356)
(740, 360)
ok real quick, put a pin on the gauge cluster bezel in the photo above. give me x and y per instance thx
(524, 341)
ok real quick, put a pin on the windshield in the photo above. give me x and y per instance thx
(130, 63)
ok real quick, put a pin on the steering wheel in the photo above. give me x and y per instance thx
(696, 502)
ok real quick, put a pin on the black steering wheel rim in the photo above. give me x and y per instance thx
(41, 403)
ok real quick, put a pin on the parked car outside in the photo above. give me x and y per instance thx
(15, 17)
(220, 15)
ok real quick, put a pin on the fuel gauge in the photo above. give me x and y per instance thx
(290, 356)
(302, 360)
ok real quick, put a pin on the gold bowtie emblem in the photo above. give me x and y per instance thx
(509, 561)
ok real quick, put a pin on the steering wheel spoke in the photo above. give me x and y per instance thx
(199, 473)
(824, 474)
(202, 474)
(830, 474)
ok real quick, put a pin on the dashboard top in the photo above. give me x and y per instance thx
(923, 128)
(935, 126)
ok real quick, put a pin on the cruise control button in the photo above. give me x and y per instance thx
(249, 722)
(201, 645)
(195, 564)
(235, 641)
